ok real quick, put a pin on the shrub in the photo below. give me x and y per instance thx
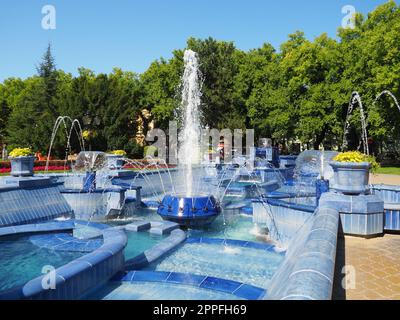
(150, 151)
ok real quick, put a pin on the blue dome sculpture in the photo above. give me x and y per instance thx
(196, 211)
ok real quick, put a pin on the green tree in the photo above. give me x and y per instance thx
(217, 64)
(160, 85)
(25, 125)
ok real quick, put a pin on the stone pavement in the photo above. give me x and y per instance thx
(376, 264)
(390, 179)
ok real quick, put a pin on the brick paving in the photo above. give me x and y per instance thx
(376, 264)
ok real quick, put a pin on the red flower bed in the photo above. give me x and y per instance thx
(52, 168)
(52, 163)
(150, 167)
(40, 168)
(5, 164)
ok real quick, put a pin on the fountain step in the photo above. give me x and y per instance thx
(138, 226)
(164, 227)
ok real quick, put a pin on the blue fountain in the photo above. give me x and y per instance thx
(191, 212)
(189, 206)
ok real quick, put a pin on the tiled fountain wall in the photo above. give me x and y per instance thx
(78, 277)
(391, 197)
(96, 204)
(31, 200)
(307, 271)
(282, 217)
(85, 274)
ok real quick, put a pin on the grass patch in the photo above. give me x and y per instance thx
(388, 170)
(39, 172)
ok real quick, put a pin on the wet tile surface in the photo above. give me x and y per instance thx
(372, 268)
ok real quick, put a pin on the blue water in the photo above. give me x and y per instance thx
(86, 232)
(21, 261)
(247, 265)
(228, 225)
(231, 226)
(158, 291)
(139, 242)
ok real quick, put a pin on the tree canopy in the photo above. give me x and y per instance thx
(299, 92)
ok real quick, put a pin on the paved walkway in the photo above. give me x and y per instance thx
(390, 179)
(376, 264)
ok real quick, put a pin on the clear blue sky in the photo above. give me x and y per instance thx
(102, 34)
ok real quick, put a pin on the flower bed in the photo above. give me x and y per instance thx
(52, 163)
(148, 167)
(39, 168)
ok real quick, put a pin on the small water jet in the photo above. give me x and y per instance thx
(387, 92)
(74, 126)
(356, 98)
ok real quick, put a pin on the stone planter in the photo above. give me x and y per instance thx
(115, 161)
(22, 166)
(350, 177)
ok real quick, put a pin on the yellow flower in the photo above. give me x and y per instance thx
(89, 134)
(21, 152)
(119, 152)
(351, 156)
(356, 156)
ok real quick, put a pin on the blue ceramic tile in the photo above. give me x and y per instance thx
(212, 240)
(220, 284)
(186, 278)
(151, 276)
(238, 243)
(193, 240)
(249, 292)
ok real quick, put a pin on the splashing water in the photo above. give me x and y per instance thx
(189, 153)
(232, 250)
(387, 92)
(356, 98)
(74, 126)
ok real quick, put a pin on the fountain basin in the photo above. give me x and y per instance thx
(189, 211)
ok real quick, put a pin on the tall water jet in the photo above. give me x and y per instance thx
(189, 138)
(190, 207)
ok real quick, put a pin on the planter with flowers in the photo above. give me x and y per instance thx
(115, 159)
(22, 162)
(351, 171)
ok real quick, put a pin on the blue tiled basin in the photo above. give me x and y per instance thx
(22, 166)
(196, 211)
(350, 177)
(388, 193)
